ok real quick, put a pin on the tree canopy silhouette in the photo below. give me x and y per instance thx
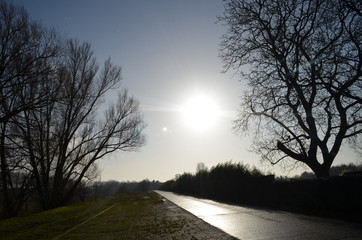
(52, 128)
(302, 62)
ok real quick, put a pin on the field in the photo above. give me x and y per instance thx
(125, 216)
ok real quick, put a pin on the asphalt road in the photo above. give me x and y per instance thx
(252, 223)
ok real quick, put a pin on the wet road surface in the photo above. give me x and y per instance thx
(252, 223)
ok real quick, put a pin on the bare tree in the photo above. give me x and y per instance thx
(27, 53)
(201, 167)
(302, 62)
(64, 139)
(52, 128)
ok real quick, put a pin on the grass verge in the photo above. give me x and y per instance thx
(133, 216)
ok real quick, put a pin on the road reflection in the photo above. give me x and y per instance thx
(251, 223)
(202, 209)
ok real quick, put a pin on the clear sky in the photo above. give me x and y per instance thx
(168, 51)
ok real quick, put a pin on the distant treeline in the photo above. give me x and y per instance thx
(338, 170)
(336, 196)
(110, 188)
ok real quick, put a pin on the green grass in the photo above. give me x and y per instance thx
(135, 216)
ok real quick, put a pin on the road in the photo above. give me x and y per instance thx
(256, 223)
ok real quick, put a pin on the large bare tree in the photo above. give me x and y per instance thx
(54, 125)
(27, 55)
(302, 62)
(64, 139)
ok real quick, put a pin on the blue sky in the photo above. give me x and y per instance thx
(168, 51)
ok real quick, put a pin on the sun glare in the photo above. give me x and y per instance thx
(200, 112)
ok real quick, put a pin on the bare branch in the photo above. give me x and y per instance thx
(304, 60)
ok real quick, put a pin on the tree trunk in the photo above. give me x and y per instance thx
(9, 209)
(320, 170)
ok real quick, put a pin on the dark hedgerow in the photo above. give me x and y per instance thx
(337, 196)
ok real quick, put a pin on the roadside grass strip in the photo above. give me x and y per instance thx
(125, 216)
(73, 228)
(52, 223)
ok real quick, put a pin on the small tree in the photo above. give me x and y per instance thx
(302, 60)
(201, 167)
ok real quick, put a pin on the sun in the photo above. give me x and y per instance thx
(200, 112)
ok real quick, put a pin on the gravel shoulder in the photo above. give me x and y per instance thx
(191, 227)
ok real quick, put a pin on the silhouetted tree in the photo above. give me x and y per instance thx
(28, 54)
(201, 178)
(201, 167)
(302, 62)
(52, 128)
(63, 140)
